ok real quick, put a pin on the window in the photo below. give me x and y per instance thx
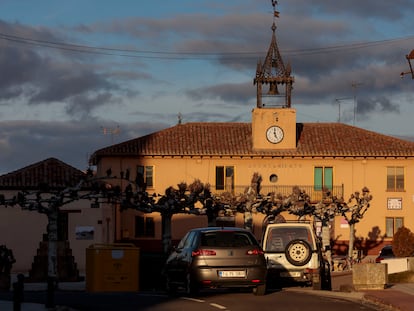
(225, 178)
(145, 176)
(392, 224)
(187, 240)
(144, 227)
(273, 178)
(323, 178)
(395, 178)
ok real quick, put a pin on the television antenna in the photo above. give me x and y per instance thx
(355, 85)
(338, 100)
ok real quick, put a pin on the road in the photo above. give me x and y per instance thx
(218, 300)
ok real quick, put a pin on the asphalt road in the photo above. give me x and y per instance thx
(281, 300)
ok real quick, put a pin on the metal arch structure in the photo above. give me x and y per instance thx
(409, 57)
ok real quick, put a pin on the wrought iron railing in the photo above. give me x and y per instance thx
(284, 190)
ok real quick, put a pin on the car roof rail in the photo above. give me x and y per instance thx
(292, 221)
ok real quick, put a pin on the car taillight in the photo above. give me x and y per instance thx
(203, 252)
(254, 252)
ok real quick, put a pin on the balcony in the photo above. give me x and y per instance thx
(285, 190)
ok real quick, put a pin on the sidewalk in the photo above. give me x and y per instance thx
(398, 297)
(27, 306)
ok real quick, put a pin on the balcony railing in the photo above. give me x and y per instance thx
(314, 193)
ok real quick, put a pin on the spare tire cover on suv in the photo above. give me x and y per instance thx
(298, 252)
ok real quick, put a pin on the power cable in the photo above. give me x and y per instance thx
(190, 55)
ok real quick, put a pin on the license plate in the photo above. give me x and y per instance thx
(290, 274)
(232, 274)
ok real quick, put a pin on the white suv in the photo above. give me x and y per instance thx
(293, 252)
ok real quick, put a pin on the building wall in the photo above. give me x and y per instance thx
(352, 173)
(23, 230)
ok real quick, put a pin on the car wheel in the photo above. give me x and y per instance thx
(298, 252)
(259, 290)
(170, 287)
(190, 288)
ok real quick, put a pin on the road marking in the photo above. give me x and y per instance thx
(193, 299)
(215, 305)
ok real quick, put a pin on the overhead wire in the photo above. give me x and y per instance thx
(189, 55)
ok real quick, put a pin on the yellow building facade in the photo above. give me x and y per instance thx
(226, 155)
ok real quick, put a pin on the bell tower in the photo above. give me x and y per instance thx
(273, 119)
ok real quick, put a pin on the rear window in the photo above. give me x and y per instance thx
(279, 237)
(227, 239)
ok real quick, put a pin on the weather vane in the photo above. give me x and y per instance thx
(275, 13)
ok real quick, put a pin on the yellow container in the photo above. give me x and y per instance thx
(112, 268)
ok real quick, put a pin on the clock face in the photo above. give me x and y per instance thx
(274, 134)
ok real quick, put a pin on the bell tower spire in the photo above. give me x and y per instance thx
(273, 73)
(273, 120)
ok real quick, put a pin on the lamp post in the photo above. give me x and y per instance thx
(409, 57)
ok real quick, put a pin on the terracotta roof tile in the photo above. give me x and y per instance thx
(56, 174)
(235, 139)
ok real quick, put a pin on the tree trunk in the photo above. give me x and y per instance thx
(166, 232)
(52, 253)
(248, 221)
(351, 240)
(326, 243)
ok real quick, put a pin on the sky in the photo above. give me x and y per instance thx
(76, 76)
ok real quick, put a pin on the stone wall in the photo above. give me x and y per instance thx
(369, 276)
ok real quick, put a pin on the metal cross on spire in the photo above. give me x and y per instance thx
(273, 71)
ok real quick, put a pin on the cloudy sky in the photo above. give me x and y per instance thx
(78, 75)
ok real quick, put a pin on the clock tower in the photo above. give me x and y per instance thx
(273, 120)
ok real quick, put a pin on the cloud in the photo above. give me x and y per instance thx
(200, 63)
(25, 142)
(42, 76)
(228, 92)
(381, 104)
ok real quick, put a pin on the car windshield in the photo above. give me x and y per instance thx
(279, 237)
(386, 251)
(226, 239)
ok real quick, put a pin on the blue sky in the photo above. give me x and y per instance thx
(72, 68)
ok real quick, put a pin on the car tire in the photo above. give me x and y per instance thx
(170, 287)
(259, 290)
(298, 252)
(190, 288)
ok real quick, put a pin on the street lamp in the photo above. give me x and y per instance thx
(409, 57)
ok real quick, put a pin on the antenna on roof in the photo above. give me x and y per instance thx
(354, 86)
(180, 118)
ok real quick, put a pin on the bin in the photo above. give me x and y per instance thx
(112, 268)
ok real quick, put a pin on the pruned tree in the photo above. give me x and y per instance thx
(353, 211)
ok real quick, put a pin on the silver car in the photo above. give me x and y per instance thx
(216, 257)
